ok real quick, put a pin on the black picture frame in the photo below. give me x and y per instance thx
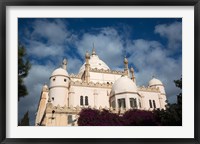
(5, 3)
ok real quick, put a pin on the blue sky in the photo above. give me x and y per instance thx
(153, 46)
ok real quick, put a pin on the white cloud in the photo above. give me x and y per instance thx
(48, 38)
(173, 32)
(108, 45)
(38, 76)
(73, 65)
(149, 57)
(55, 32)
(42, 50)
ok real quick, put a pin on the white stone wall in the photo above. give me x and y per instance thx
(59, 90)
(59, 96)
(150, 96)
(41, 107)
(103, 77)
(96, 96)
(56, 119)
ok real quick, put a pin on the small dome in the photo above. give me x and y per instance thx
(94, 62)
(45, 88)
(60, 71)
(87, 55)
(123, 84)
(125, 60)
(154, 82)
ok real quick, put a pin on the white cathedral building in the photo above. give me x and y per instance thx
(96, 86)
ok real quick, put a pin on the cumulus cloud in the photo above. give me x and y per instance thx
(173, 32)
(54, 32)
(50, 41)
(42, 50)
(108, 45)
(150, 58)
(48, 38)
(38, 76)
(73, 65)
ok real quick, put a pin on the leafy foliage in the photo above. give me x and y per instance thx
(172, 116)
(93, 117)
(25, 120)
(140, 118)
(178, 84)
(23, 68)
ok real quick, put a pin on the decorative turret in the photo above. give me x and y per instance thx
(132, 72)
(45, 88)
(59, 86)
(87, 57)
(87, 67)
(156, 83)
(42, 104)
(64, 64)
(126, 66)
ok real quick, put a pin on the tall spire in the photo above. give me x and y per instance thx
(93, 50)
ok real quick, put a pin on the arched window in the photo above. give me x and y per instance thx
(154, 104)
(133, 103)
(81, 100)
(121, 103)
(150, 104)
(65, 80)
(86, 100)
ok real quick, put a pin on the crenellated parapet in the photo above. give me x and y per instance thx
(107, 71)
(91, 84)
(148, 89)
(58, 109)
(76, 110)
(75, 76)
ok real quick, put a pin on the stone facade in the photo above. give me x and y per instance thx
(97, 87)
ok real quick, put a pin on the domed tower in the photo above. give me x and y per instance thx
(124, 93)
(156, 83)
(94, 62)
(59, 86)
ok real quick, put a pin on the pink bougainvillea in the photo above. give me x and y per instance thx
(92, 117)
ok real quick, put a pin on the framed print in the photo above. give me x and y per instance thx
(99, 72)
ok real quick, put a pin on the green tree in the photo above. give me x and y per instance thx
(25, 120)
(172, 116)
(178, 84)
(23, 69)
